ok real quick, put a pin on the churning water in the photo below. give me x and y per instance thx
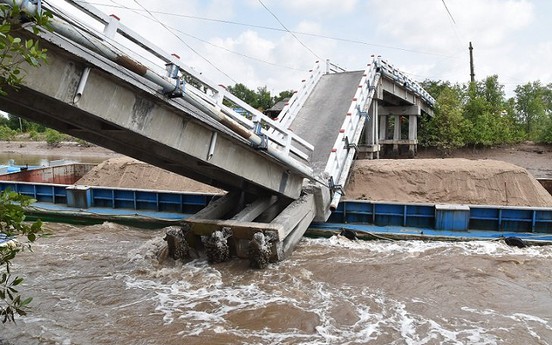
(104, 284)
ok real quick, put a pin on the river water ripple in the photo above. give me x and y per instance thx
(103, 284)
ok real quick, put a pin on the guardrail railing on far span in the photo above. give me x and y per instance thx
(343, 150)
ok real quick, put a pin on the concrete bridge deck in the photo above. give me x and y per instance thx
(322, 115)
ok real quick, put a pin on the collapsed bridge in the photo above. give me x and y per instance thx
(281, 174)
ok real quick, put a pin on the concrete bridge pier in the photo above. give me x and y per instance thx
(396, 122)
(281, 221)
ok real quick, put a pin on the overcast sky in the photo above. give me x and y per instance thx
(233, 41)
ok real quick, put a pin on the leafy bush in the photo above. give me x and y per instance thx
(34, 135)
(53, 137)
(545, 135)
(83, 142)
(7, 133)
(12, 223)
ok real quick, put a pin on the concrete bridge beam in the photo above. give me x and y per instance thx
(126, 115)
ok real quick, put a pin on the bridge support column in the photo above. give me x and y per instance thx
(375, 115)
(396, 134)
(382, 127)
(396, 141)
(412, 134)
(370, 148)
(237, 228)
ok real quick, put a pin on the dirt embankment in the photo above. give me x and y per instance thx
(536, 158)
(67, 149)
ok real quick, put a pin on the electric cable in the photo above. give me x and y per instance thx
(212, 44)
(186, 44)
(450, 14)
(291, 33)
(453, 22)
(269, 28)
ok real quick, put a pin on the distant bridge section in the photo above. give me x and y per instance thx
(343, 113)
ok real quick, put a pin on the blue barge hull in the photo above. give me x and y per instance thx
(150, 208)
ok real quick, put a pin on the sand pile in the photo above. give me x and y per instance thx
(126, 172)
(457, 181)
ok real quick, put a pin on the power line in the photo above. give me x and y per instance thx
(186, 44)
(450, 14)
(291, 33)
(453, 23)
(236, 53)
(269, 28)
(209, 43)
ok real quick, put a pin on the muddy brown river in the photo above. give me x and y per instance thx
(103, 284)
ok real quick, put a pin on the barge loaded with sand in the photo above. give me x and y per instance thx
(430, 199)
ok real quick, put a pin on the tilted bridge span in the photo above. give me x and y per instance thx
(280, 174)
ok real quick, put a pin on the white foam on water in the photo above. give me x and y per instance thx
(520, 319)
(527, 320)
(200, 298)
(414, 247)
(392, 318)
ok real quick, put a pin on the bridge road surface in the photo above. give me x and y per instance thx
(323, 113)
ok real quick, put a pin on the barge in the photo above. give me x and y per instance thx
(369, 220)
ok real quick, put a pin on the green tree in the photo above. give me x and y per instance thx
(486, 110)
(545, 134)
(511, 130)
(445, 131)
(16, 53)
(53, 137)
(282, 95)
(244, 93)
(19, 124)
(263, 99)
(12, 223)
(531, 107)
(435, 87)
(493, 93)
(6, 133)
(260, 99)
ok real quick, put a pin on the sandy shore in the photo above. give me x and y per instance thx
(68, 149)
(537, 159)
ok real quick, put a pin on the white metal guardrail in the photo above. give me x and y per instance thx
(344, 149)
(282, 144)
(286, 141)
(392, 72)
(295, 103)
(342, 155)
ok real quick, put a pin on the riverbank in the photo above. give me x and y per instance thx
(68, 149)
(536, 158)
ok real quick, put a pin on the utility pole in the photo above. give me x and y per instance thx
(472, 73)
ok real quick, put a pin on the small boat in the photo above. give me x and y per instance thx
(5, 240)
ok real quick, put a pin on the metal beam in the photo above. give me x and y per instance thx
(400, 110)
